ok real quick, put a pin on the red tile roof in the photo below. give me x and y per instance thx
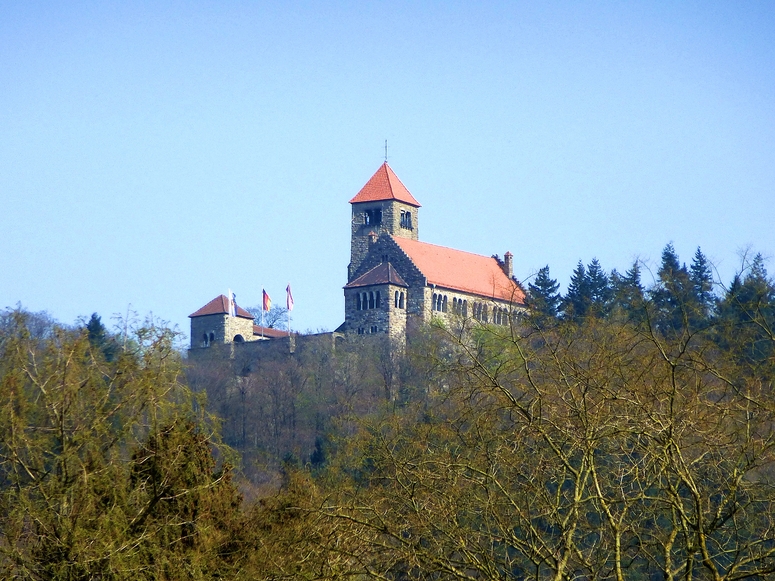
(269, 332)
(220, 306)
(381, 274)
(385, 185)
(463, 271)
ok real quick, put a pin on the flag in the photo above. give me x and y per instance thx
(288, 297)
(234, 305)
(230, 306)
(267, 301)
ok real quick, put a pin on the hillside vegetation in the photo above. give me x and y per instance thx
(616, 432)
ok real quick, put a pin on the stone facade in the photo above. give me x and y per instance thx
(378, 225)
(220, 328)
(376, 309)
(377, 218)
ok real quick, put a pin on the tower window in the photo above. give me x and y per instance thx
(372, 217)
(401, 301)
(406, 219)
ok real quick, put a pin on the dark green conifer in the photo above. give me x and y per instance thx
(701, 278)
(599, 288)
(628, 292)
(543, 297)
(576, 302)
(100, 338)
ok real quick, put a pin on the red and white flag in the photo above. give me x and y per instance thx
(288, 297)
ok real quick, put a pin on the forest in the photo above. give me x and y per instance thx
(618, 431)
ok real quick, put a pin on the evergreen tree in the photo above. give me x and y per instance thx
(543, 297)
(701, 278)
(747, 315)
(100, 339)
(628, 292)
(672, 295)
(576, 302)
(598, 287)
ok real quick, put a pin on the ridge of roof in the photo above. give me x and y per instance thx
(269, 332)
(385, 185)
(461, 270)
(220, 306)
(383, 273)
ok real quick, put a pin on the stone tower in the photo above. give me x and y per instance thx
(383, 206)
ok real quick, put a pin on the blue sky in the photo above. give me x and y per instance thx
(156, 154)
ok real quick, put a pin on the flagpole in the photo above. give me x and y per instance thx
(262, 312)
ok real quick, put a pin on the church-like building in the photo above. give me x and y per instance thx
(394, 281)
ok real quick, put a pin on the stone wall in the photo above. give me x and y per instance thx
(385, 319)
(390, 224)
(219, 328)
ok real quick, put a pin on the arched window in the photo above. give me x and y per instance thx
(205, 342)
(465, 308)
(444, 305)
(239, 339)
(371, 299)
(433, 303)
(401, 300)
(396, 300)
(377, 302)
(485, 314)
(358, 301)
(212, 337)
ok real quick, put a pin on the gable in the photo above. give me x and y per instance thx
(381, 274)
(463, 271)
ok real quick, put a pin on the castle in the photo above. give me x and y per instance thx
(395, 282)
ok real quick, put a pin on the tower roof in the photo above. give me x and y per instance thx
(385, 185)
(220, 306)
(464, 271)
(381, 274)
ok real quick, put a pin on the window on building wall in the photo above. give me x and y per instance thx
(377, 300)
(371, 299)
(444, 304)
(406, 219)
(465, 308)
(239, 339)
(401, 300)
(212, 337)
(485, 314)
(396, 300)
(205, 342)
(360, 331)
(433, 302)
(372, 217)
(358, 301)
(374, 329)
